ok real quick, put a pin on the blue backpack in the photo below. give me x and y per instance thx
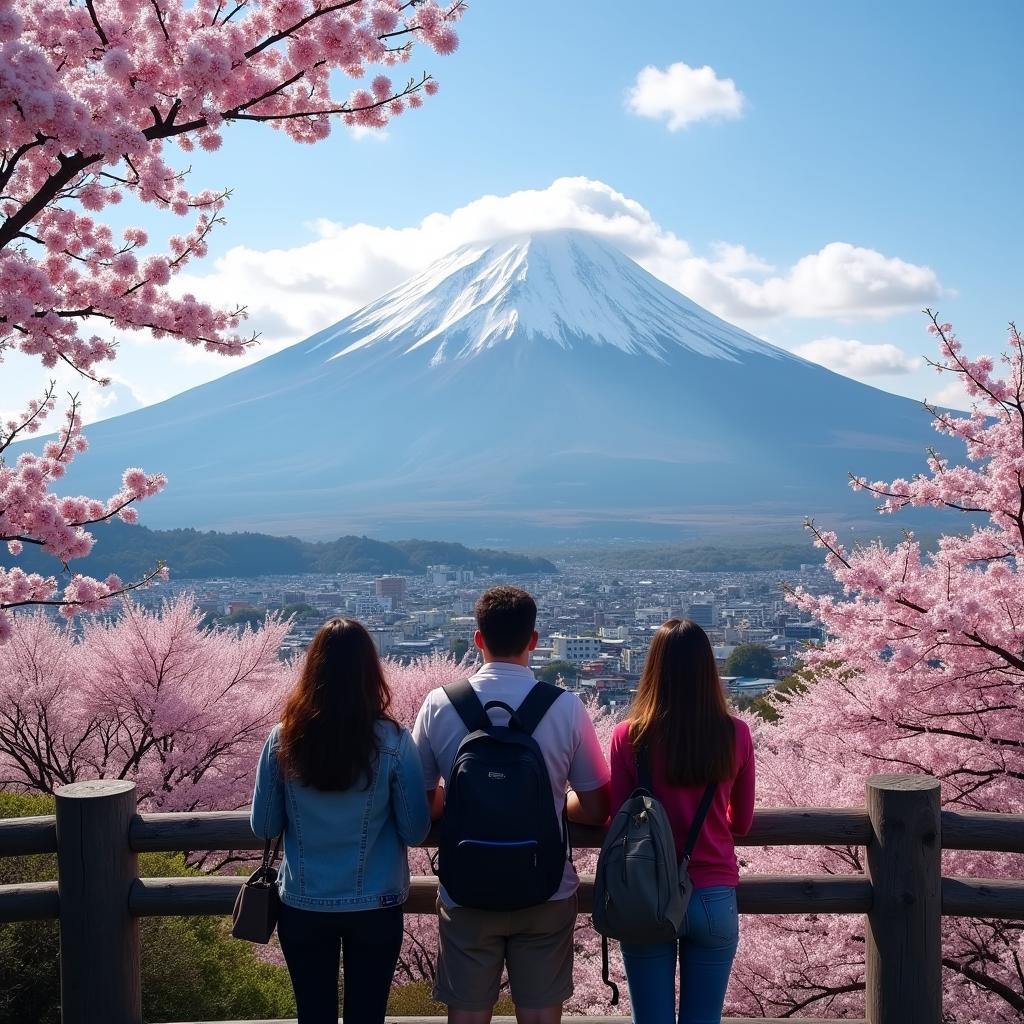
(502, 844)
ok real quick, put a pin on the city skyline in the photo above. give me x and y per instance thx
(600, 621)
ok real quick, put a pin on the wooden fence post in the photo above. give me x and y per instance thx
(99, 939)
(904, 946)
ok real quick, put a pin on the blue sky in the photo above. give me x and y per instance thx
(893, 128)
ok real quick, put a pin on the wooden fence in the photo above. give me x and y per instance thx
(98, 897)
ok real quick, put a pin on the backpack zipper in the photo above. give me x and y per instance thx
(499, 842)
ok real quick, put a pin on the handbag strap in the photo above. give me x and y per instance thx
(698, 821)
(270, 857)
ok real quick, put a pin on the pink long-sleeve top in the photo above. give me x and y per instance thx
(731, 813)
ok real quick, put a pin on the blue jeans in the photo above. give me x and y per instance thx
(705, 949)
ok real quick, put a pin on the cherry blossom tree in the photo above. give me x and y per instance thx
(95, 95)
(922, 672)
(147, 696)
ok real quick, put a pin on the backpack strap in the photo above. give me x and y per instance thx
(605, 973)
(466, 702)
(536, 705)
(643, 769)
(698, 821)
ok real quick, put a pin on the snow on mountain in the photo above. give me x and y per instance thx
(538, 388)
(561, 286)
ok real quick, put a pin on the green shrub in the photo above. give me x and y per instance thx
(29, 976)
(414, 1000)
(750, 660)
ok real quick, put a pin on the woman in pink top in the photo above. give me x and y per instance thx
(680, 719)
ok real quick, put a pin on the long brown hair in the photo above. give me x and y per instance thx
(328, 729)
(680, 709)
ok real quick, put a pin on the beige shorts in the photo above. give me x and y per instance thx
(536, 944)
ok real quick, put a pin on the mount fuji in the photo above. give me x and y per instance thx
(542, 387)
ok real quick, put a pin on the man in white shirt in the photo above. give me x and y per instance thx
(535, 944)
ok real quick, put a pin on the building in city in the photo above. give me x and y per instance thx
(653, 616)
(443, 575)
(429, 618)
(393, 587)
(633, 659)
(747, 686)
(802, 631)
(575, 648)
(705, 615)
(361, 605)
(384, 639)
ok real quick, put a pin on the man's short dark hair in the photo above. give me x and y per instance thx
(507, 617)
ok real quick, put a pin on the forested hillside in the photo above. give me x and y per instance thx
(192, 554)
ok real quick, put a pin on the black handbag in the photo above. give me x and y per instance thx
(256, 908)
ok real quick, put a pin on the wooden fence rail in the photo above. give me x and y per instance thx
(820, 826)
(98, 897)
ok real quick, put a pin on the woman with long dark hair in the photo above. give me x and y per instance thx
(342, 782)
(679, 724)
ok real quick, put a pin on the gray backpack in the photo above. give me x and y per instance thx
(641, 892)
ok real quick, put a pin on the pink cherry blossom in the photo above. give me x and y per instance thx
(922, 672)
(30, 513)
(149, 696)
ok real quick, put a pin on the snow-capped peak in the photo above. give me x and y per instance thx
(565, 287)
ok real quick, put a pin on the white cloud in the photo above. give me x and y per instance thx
(25, 379)
(359, 132)
(294, 292)
(99, 403)
(857, 358)
(953, 396)
(843, 279)
(840, 280)
(737, 259)
(681, 95)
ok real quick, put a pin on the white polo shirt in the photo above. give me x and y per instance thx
(565, 735)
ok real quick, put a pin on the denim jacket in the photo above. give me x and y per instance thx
(345, 850)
